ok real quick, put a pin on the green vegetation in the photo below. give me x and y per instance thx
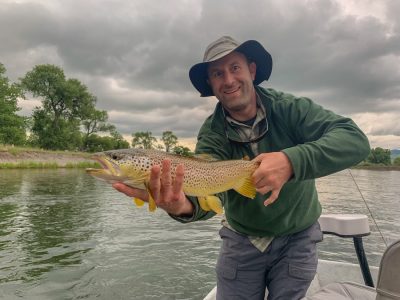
(15, 150)
(396, 161)
(170, 140)
(12, 126)
(380, 159)
(379, 156)
(47, 165)
(67, 118)
(36, 158)
(146, 140)
(67, 106)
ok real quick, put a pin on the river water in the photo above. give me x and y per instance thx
(65, 235)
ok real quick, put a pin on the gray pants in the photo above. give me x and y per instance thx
(286, 268)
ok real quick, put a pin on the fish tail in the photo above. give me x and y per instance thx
(203, 203)
(215, 204)
(246, 187)
(138, 202)
(211, 203)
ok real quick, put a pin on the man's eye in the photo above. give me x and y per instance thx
(216, 74)
(236, 68)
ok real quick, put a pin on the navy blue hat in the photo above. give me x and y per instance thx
(252, 49)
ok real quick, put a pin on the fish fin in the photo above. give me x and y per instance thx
(246, 188)
(246, 157)
(215, 204)
(138, 202)
(152, 203)
(203, 203)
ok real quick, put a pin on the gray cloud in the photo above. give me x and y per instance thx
(135, 55)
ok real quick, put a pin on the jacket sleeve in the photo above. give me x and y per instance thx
(211, 143)
(325, 142)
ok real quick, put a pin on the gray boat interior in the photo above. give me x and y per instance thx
(344, 281)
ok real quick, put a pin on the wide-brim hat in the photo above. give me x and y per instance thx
(252, 49)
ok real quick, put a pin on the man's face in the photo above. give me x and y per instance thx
(231, 79)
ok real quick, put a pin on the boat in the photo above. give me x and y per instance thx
(340, 280)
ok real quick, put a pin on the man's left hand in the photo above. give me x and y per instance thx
(274, 171)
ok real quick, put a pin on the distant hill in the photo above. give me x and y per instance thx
(394, 153)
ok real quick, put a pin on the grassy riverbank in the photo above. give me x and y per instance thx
(377, 167)
(34, 158)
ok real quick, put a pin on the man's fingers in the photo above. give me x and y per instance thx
(178, 183)
(166, 180)
(272, 198)
(131, 192)
(265, 189)
(155, 182)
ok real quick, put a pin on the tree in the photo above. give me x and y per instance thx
(12, 126)
(95, 121)
(379, 156)
(143, 140)
(96, 143)
(182, 150)
(65, 135)
(396, 161)
(65, 103)
(170, 140)
(120, 142)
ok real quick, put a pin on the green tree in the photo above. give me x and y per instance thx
(65, 103)
(95, 121)
(120, 142)
(170, 140)
(396, 161)
(12, 126)
(143, 140)
(96, 143)
(182, 150)
(65, 135)
(379, 156)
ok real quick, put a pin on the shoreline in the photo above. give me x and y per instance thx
(36, 158)
(18, 158)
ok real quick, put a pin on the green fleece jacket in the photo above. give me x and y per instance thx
(317, 143)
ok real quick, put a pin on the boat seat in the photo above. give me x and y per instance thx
(388, 284)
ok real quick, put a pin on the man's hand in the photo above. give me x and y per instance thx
(167, 193)
(274, 171)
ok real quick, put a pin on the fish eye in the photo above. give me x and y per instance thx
(114, 156)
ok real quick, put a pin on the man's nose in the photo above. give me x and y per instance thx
(228, 78)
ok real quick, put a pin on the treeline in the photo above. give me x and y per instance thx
(67, 119)
(380, 156)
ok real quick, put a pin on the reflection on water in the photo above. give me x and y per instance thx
(64, 235)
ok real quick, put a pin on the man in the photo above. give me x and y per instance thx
(270, 241)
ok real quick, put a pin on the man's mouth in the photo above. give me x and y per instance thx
(231, 91)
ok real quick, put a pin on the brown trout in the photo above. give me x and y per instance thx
(203, 177)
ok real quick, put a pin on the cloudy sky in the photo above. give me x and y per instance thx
(135, 55)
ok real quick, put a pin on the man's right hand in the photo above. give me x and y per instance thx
(167, 193)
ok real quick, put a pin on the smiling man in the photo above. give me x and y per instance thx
(231, 79)
(268, 242)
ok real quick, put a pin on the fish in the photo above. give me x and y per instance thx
(204, 176)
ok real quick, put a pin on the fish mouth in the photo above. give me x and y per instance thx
(108, 167)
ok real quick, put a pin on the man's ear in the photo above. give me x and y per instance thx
(253, 70)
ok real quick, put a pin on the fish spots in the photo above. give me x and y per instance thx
(143, 164)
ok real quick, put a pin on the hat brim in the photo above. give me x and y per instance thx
(252, 49)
